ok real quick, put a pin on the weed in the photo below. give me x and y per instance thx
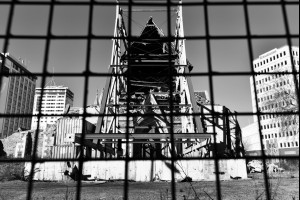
(11, 171)
(69, 194)
(2, 197)
(191, 187)
(273, 184)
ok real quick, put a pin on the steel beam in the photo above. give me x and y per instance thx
(99, 147)
(146, 136)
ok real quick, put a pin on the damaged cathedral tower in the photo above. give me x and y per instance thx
(149, 109)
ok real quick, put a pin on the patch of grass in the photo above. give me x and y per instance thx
(243, 189)
(289, 164)
(11, 171)
(1, 197)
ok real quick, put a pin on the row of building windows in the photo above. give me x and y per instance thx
(274, 76)
(22, 80)
(52, 107)
(277, 85)
(277, 95)
(49, 121)
(59, 110)
(46, 96)
(272, 58)
(279, 135)
(49, 99)
(278, 124)
(265, 98)
(46, 118)
(59, 92)
(272, 68)
(14, 124)
(282, 145)
(45, 100)
(295, 53)
(288, 144)
(271, 116)
(275, 105)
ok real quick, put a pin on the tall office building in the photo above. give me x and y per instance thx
(54, 100)
(17, 93)
(277, 93)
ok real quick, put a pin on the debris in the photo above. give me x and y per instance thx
(187, 179)
(236, 177)
(274, 168)
(156, 178)
(255, 166)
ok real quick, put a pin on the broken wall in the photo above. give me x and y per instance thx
(144, 170)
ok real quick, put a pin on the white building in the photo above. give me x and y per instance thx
(55, 98)
(276, 93)
(251, 140)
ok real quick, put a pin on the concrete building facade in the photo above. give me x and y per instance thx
(17, 94)
(251, 139)
(52, 102)
(276, 92)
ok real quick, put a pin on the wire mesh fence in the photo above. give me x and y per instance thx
(151, 115)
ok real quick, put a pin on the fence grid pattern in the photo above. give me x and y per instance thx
(129, 5)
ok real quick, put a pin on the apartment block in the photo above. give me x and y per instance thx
(17, 94)
(276, 92)
(51, 101)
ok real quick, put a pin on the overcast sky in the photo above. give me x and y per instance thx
(227, 55)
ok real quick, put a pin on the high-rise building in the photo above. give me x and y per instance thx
(17, 93)
(276, 92)
(54, 100)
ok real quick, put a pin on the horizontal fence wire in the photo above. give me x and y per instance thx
(130, 5)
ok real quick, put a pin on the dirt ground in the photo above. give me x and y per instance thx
(282, 186)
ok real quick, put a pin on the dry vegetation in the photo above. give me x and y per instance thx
(283, 186)
(11, 171)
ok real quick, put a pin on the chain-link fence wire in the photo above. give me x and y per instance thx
(167, 7)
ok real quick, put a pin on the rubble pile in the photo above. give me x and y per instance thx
(256, 166)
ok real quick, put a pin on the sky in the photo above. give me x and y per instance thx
(226, 55)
